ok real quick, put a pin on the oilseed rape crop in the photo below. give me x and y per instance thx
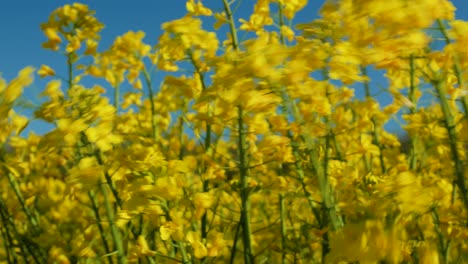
(249, 150)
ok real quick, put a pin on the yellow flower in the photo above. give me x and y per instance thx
(74, 45)
(87, 252)
(15, 87)
(221, 19)
(199, 250)
(18, 122)
(137, 84)
(71, 129)
(91, 46)
(102, 136)
(183, 25)
(57, 255)
(215, 243)
(45, 71)
(87, 174)
(291, 7)
(167, 230)
(202, 202)
(197, 9)
(53, 39)
(74, 23)
(287, 32)
(143, 249)
(53, 91)
(259, 19)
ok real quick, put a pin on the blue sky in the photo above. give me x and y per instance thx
(21, 36)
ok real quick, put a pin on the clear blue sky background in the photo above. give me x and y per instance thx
(21, 37)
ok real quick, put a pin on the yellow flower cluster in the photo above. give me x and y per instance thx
(72, 25)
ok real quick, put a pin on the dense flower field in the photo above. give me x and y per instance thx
(249, 150)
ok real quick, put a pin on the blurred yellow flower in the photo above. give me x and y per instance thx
(15, 87)
(45, 71)
(202, 201)
(142, 247)
(197, 9)
(167, 229)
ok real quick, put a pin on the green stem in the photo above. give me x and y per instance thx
(243, 164)
(375, 132)
(14, 185)
(180, 244)
(245, 193)
(461, 83)
(8, 240)
(283, 228)
(456, 67)
(97, 154)
(92, 198)
(114, 230)
(70, 70)
(414, 140)
(117, 99)
(442, 245)
(207, 147)
(232, 25)
(149, 85)
(27, 246)
(450, 125)
(288, 106)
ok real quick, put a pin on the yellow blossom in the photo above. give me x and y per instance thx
(143, 249)
(287, 32)
(199, 248)
(220, 20)
(71, 129)
(15, 87)
(215, 244)
(87, 174)
(168, 229)
(197, 9)
(202, 202)
(45, 71)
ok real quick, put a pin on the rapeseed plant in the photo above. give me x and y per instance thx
(260, 152)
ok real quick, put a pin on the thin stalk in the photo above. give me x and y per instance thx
(312, 150)
(92, 198)
(7, 238)
(207, 147)
(442, 245)
(70, 69)
(117, 99)
(288, 106)
(461, 83)
(375, 133)
(298, 164)
(149, 85)
(32, 220)
(114, 230)
(107, 176)
(283, 229)
(121, 259)
(28, 247)
(14, 185)
(243, 164)
(245, 193)
(180, 244)
(232, 25)
(234, 244)
(411, 96)
(450, 125)
(116, 104)
(456, 67)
